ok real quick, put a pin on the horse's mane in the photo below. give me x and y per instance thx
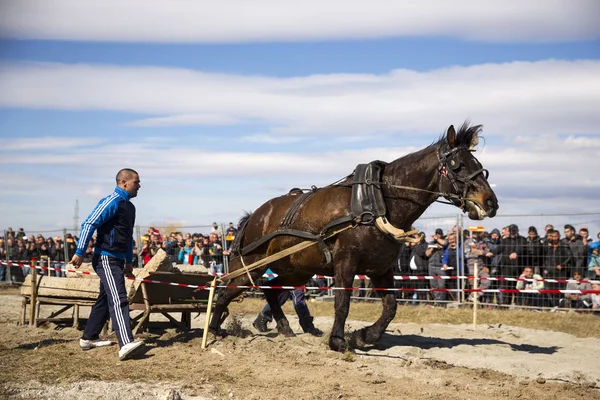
(464, 136)
(244, 219)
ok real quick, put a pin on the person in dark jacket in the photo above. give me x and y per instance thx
(557, 264)
(512, 250)
(535, 250)
(419, 263)
(579, 250)
(113, 219)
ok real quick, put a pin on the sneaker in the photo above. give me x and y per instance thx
(92, 344)
(131, 350)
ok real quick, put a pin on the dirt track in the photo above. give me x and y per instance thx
(411, 361)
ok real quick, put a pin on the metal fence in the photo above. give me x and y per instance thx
(419, 290)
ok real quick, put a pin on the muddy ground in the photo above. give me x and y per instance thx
(437, 361)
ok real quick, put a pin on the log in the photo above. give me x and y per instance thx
(85, 267)
(50, 286)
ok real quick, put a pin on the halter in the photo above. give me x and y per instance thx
(449, 165)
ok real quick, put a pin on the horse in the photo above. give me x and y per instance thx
(409, 185)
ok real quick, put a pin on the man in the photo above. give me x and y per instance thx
(434, 253)
(513, 256)
(576, 300)
(556, 263)
(535, 250)
(578, 249)
(113, 219)
(452, 263)
(530, 281)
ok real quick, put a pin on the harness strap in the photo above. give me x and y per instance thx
(291, 212)
(290, 232)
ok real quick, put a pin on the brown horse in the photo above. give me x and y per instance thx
(446, 168)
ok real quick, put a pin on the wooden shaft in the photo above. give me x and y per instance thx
(475, 296)
(208, 312)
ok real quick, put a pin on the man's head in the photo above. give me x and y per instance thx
(214, 238)
(528, 272)
(584, 233)
(569, 231)
(513, 230)
(439, 233)
(553, 236)
(128, 180)
(452, 240)
(532, 233)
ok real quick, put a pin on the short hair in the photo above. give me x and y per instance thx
(553, 231)
(570, 227)
(125, 173)
(584, 230)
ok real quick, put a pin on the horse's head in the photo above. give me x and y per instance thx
(463, 178)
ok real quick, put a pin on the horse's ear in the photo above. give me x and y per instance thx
(451, 136)
(474, 141)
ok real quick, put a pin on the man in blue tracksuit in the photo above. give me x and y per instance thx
(113, 219)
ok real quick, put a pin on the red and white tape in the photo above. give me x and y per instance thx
(551, 291)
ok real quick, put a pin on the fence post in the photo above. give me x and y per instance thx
(7, 269)
(460, 259)
(33, 299)
(224, 246)
(138, 239)
(475, 294)
(66, 248)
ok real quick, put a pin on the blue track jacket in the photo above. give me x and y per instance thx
(113, 218)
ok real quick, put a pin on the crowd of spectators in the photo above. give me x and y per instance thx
(199, 249)
(498, 254)
(506, 254)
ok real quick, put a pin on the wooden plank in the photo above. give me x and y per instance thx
(50, 286)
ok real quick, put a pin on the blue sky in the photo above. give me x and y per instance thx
(223, 106)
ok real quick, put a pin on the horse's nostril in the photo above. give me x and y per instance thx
(490, 203)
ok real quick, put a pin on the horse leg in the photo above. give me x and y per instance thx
(344, 277)
(274, 297)
(372, 334)
(225, 296)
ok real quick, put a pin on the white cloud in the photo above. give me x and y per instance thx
(278, 20)
(517, 98)
(47, 143)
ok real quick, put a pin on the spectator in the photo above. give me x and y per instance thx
(585, 235)
(230, 235)
(21, 234)
(528, 280)
(512, 250)
(213, 254)
(593, 270)
(419, 266)
(475, 251)
(452, 263)
(21, 254)
(434, 253)
(3, 256)
(547, 229)
(484, 284)
(556, 263)
(535, 250)
(216, 228)
(59, 256)
(575, 300)
(595, 299)
(186, 253)
(578, 249)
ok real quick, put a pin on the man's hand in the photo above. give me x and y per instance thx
(513, 256)
(128, 270)
(77, 261)
(559, 267)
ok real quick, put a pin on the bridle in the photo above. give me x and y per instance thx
(449, 165)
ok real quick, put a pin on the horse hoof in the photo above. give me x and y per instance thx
(338, 344)
(286, 331)
(358, 340)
